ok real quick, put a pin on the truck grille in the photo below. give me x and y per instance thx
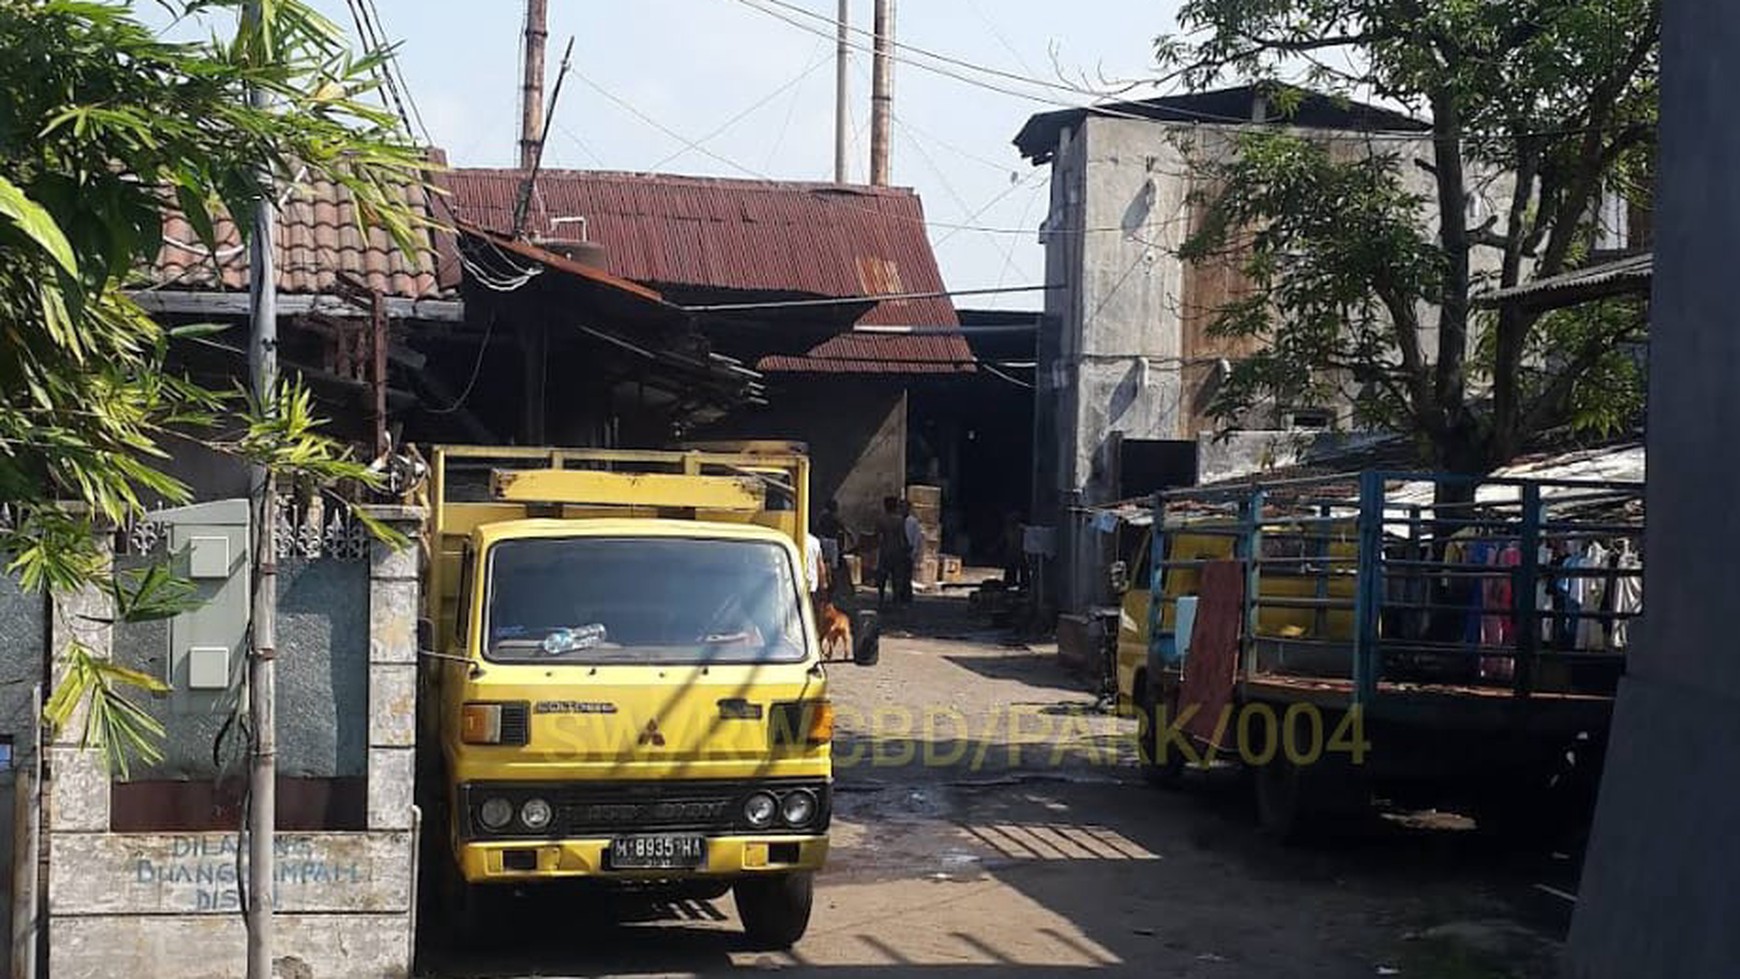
(689, 806)
(612, 808)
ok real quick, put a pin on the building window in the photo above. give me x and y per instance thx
(1311, 419)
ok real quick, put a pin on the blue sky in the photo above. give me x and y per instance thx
(694, 64)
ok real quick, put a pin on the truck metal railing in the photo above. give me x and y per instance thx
(1518, 587)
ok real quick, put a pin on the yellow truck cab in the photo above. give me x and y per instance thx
(1148, 661)
(622, 680)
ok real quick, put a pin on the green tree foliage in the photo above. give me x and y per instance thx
(104, 122)
(1364, 273)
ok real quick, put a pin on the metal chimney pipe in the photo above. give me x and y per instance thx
(882, 92)
(842, 90)
(532, 86)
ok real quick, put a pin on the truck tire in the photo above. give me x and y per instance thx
(866, 638)
(1300, 805)
(775, 908)
(465, 910)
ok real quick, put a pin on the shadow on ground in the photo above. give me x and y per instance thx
(958, 857)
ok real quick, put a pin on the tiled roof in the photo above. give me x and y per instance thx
(750, 236)
(318, 237)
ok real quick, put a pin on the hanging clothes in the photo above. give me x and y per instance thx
(1589, 589)
(1480, 554)
(1498, 624)
(1566, 598)
(1627, 596)
(1544, 593)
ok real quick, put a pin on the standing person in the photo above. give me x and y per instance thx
(890, 545)
(818, 572)
(835, 544)
(913, 535)
(1013, 557)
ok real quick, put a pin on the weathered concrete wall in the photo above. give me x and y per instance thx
(323, 619)
(155, 904)
(1123, 346)
(1658, 896)
(856, 432)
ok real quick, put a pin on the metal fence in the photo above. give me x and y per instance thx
(1399, 580)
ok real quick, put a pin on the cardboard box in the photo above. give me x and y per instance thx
(924, 496)
(950, 568)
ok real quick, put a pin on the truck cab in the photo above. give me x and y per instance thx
(623, 681)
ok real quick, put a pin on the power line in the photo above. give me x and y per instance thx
(974, 216)
(937, 56)
(739, 117)
(585, 147)
(855, 300)
(1118, 110)
(629, 107)
(398, 68)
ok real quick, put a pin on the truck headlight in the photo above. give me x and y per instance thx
(495, 814)
(759, 810)
(535, 814)
(798, 808)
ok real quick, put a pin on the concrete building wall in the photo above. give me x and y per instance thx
(1124, 189)
(855, 428)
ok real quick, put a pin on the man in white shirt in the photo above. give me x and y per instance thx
(817, 568)
(914, 551)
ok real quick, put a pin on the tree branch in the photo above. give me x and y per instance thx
(1555, 398)
(1453, 237)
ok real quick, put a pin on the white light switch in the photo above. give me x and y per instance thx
(208, 557)
(208, 668)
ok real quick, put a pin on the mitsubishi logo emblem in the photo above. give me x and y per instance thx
(651, 735)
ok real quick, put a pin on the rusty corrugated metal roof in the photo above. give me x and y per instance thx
(879, 353)
(318, 238)
(764, 236)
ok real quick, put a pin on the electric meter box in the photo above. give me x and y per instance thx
(210, 546)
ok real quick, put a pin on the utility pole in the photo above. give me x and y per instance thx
(842, 90)
(882, 92)
(262, 650)
(532, 86)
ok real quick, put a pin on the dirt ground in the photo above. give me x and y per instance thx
(990, 822)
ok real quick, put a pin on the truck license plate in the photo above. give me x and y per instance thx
(657, 852)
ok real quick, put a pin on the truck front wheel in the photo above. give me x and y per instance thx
(775, 908)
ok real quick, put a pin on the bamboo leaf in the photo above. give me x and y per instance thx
(38, 225)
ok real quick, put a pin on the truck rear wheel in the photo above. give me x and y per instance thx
(775, 908)
(1299, 804)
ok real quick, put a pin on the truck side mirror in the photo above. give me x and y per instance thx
(867, 639)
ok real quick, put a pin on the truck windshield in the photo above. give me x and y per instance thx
(601, 600)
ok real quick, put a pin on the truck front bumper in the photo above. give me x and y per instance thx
(509, 861)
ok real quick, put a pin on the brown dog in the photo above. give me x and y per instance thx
(836, 633)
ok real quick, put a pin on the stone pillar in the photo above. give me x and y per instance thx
(393, 609)
(1658, 896)
(77, 779)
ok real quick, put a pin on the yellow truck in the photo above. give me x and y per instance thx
(622, 681)
(1141, 687)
